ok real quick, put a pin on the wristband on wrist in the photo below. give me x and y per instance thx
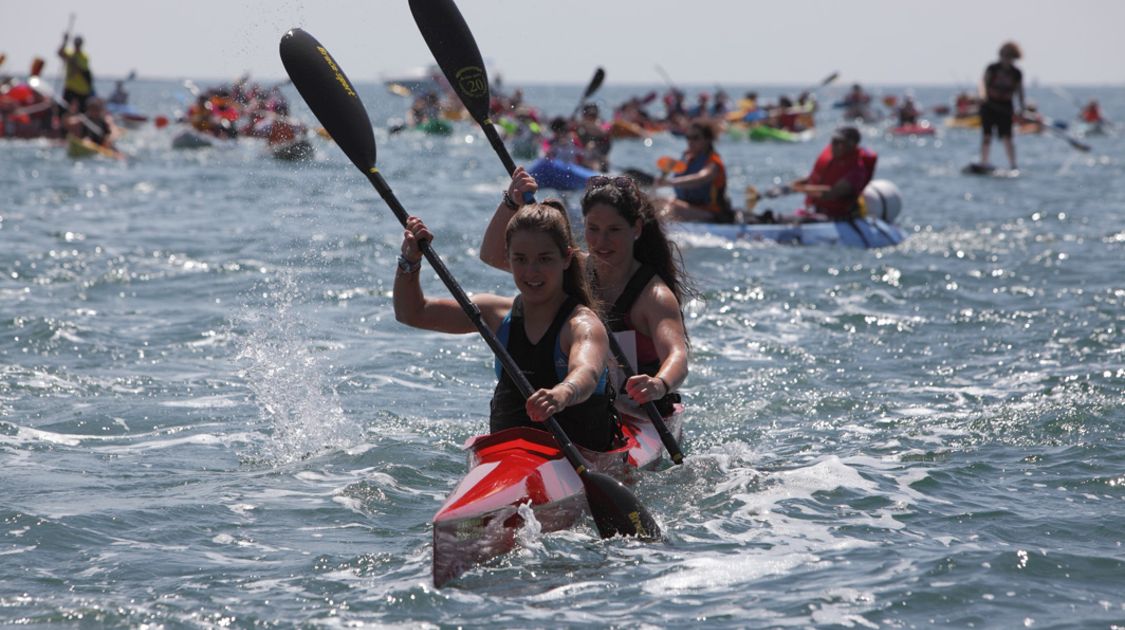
(573, 391)
(406, 266)
(511, 203)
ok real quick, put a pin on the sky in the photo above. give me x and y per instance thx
(798, 42)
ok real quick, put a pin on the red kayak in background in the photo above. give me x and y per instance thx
(923, 128)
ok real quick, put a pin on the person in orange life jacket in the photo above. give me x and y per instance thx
(636, 269)
(837, 180)
(1001, 86)
(550, 328)
(79, 83)
(701, 190)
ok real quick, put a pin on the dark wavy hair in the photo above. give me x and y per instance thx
(549, 217)
(653, 247)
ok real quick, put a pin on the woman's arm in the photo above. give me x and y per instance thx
(587, 347)
(412, 307)
(493, 248)
(665, 325)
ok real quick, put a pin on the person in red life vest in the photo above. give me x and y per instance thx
(841, 172)
(701, 189)
(1092, 112)
(1000, 87)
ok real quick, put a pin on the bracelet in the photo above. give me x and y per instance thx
(406, 266)
(511, 203)
(573, 391)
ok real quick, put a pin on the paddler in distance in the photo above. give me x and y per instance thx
(836, 182)
(79, 83)
(549, 328)
(701, 189)
(1000, 88)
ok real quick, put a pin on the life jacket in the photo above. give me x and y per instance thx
(645, 359)
(827, 171)
(712, 196)
(592, 424)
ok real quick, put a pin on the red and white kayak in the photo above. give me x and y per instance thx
(523, 466)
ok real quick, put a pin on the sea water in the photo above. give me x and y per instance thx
(210, 417)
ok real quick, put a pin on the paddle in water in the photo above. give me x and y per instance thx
(334, 102)
(459, 58)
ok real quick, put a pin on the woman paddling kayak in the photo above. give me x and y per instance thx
(636, 269)
(549, 328)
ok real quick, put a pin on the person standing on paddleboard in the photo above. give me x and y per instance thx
(550, 328)
(79, 83)
(1001, 86)
(636, 270)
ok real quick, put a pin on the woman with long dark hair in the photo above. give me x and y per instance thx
(636, 270)
(550, 328)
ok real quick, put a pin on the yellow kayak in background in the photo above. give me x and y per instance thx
(84, 147)
(963, 122)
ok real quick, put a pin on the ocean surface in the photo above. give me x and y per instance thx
(210, 418)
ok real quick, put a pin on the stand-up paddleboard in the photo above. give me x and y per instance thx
(987, 170)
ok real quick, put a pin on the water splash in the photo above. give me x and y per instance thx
(287, 379)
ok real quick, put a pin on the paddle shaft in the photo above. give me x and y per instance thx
(1046, 124)
(473, 312)
(60, 78)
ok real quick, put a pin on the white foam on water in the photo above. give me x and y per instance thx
(529, 536)
(203, 402)
(287, 380)
(777, 505)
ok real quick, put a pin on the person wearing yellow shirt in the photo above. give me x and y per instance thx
(79, 84)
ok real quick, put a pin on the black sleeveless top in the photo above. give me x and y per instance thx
(592, 424)
(617, 320)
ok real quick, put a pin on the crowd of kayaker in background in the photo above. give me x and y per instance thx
(91, 125)
(30, 108)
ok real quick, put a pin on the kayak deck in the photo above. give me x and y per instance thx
(481, 518)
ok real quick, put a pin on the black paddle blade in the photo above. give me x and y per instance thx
(615, 509)
(596, 82)
(455, 51)
(330, 96)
